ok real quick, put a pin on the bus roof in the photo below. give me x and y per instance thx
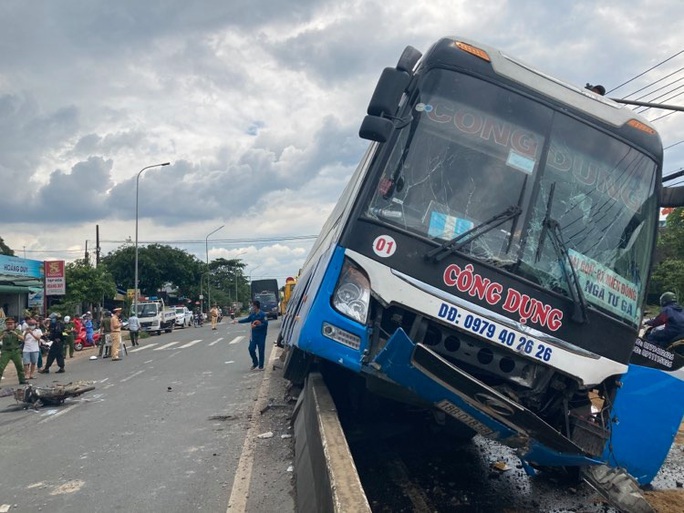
(576, 97)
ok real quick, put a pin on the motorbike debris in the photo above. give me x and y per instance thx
(34, 396)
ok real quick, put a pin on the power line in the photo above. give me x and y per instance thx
(223, 241)
(654, 83)
(185, 242)
(644, 72)
(49, 250)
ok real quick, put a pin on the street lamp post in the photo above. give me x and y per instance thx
(206, 245)
(236, 276)
(137, 187)
(250, 282)
(252, 272)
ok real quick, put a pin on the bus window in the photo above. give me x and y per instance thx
(460, 162)
(602, 192)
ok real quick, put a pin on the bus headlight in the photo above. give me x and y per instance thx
(352, 294)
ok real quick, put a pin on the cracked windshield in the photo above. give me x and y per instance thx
(497, 183)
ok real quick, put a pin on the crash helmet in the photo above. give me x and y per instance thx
(667, 298)
(67, 318)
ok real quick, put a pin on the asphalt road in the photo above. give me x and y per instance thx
(164, 430)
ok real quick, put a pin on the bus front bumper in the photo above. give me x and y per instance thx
(459, 394)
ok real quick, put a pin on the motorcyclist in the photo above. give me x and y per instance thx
(671, 317)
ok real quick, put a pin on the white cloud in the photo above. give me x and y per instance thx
(256, 105)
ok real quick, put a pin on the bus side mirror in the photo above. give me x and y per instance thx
(387, 94)
(376, 129)
(672, 196)
(408, 60)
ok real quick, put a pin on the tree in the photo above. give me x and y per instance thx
(158, 265)
(671, 238)
(85, 285)
(668, 273)
(225, 276)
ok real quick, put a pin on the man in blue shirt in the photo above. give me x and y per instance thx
(259, 323)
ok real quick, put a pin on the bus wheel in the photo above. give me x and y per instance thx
(297, 365)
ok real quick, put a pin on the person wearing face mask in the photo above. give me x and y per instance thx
(259, 324)
(56, 352)
(32, 336)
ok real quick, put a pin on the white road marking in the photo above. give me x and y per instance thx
(190, 344)
(237, 502)
(235, 340)
(216, 341)
(141, 348)
(51, 414)
(166, 345)
(132, 376)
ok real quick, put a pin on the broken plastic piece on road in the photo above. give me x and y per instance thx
(268, 434)
(500, 466)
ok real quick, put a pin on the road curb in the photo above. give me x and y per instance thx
(327, 479)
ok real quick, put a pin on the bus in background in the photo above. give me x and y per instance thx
(290, 283)
(267, 293)
(489, 259)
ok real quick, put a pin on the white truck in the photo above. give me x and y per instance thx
(155, 316)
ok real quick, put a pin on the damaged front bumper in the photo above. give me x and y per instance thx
(428, 375)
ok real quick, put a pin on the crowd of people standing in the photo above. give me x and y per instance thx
(25, 344)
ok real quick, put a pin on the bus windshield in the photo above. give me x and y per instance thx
(473, 151)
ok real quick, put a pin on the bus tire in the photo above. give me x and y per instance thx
(297, 364)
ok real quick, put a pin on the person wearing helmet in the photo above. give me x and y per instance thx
(69, 336)
(671, 318)
(56, 352)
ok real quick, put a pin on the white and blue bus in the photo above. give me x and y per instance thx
(490, 258)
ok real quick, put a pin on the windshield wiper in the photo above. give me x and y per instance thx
(553, 228)
(464, 238)
(579, 312)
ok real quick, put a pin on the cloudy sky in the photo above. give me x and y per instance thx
(256, 104)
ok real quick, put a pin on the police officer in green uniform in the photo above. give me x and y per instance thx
(12, 340)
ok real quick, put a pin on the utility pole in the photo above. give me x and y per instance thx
(86, 253)
(97, 245)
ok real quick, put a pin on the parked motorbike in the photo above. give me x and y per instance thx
(82, 342)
